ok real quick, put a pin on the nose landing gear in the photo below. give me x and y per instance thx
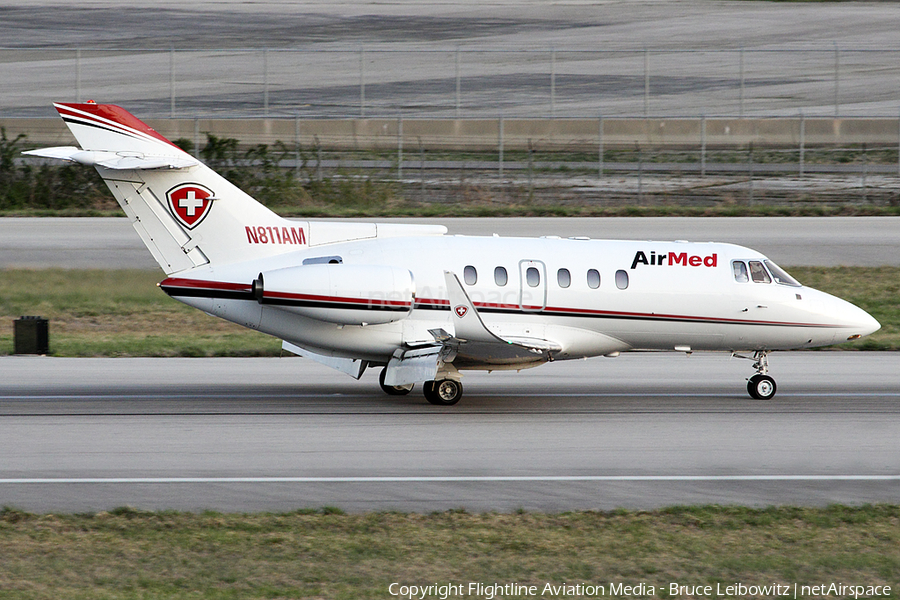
(761, 386)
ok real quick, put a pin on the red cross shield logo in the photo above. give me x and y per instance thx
(189, 203)
(461, 311)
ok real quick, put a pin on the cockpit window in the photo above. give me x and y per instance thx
(781, 275)
(758, 272)
(740, 271)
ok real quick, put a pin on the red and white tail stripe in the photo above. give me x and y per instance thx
(110, 127)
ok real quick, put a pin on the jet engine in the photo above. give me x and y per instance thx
(338, 293)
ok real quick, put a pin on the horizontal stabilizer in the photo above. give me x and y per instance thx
(115, 160)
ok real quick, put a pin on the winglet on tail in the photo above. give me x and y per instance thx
(111, 127)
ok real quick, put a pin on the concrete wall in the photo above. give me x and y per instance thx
(484, 134)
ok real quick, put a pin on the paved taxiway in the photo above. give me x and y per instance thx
(410, 64)
(642, 430)
(103, 243)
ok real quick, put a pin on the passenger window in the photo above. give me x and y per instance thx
(563, 278)
(740, 271)
(593, 278)
(621, 279)
(758, 272)
(470, 275)
(532, 277)
(500, 276)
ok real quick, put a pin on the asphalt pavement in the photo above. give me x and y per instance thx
(639, 431)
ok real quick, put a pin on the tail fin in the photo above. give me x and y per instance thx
(186, 214)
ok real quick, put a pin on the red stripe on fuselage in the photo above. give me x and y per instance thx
(199, 284)
(336, 299)
(203, 284)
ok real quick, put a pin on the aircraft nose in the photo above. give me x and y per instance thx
(853, 319)
(865, 322)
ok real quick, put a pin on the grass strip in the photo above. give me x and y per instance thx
(324, 553)
(119, 313)
(123, 313)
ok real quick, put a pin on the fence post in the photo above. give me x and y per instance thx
(197, 137)
(400, 147)
(500, 145)
(172, 83)
(422, 166)
(802, 140)
(318, 158)
(530, 167)
(457, 83)
(646, 82)
(741, 102)
(296, 146)
(266, 81)
(865, 172)
(600, 144)
(837, 80)
(362, 82)
(552, 83)
(750, 173)
(703, 146)
(640, 176)
(78, 75)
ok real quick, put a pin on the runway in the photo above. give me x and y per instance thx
(111, 243)
(518, 58)
(639, 431)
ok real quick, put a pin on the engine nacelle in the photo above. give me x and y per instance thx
(338, 293)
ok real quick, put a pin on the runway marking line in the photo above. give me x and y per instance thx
(367, 396)
(455, 479)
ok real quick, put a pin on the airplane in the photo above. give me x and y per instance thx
(424, 305)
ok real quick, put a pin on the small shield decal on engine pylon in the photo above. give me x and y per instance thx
(461, 311)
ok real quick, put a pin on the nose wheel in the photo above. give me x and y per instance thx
(761, 386)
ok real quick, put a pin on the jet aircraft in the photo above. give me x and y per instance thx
(424, 305)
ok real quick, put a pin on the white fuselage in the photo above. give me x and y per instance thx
(678, 296)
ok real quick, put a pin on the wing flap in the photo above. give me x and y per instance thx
(413, 366)
(353, 367)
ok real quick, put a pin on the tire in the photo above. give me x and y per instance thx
(446, 392)
(761, 387)
(393, 390)
(428, 390)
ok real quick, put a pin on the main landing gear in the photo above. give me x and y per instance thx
(761, 386)
(444, 392)
(393, 390)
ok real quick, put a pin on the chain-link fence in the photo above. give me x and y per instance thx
(459, 82)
